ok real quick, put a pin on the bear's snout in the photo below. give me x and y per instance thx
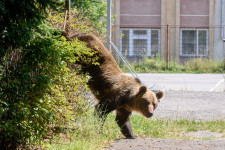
(150, 112)
(149, 115)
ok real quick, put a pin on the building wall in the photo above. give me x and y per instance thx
(177, 14)
(116, 24)
(170, 16)
(130, 14)
(194, 13)
(211, 28)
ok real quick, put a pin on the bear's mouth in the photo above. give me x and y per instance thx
(149, 115)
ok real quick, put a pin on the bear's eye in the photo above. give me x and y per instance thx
(147, 102)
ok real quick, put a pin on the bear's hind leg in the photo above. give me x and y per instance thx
(123, 120)
(102, 109)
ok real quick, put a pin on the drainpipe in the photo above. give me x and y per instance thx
(168, 47)
(223, 26)
(108, 26)
(222, 20)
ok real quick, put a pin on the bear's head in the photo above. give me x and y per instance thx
(146, 101)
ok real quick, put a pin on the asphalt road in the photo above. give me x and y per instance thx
(185, 82)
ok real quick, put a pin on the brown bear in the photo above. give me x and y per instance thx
(115, 90)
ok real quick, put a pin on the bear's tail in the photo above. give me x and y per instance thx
(70, 38)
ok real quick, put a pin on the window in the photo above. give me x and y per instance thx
(193, 42)
(140, 42)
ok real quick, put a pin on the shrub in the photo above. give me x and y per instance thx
(40, 87)
(36, 83)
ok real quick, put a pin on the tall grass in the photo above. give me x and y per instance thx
(195, 65)
(90, 135)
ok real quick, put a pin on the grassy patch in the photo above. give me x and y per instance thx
(159, 128)
(89, 135)
(197, 65)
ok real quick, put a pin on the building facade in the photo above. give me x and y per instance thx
(177, 29)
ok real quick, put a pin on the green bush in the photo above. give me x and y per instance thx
(36, 83)
(93, 11)
(40, 87)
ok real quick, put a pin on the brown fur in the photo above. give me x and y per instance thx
(114, 89)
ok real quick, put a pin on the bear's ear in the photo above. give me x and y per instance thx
(159, 95)
(142, 91)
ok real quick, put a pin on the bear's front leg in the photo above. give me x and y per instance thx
(123, 120)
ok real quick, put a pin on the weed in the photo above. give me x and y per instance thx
(158, 64)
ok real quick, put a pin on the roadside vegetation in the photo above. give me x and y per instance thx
(91, 136)
(159, 65)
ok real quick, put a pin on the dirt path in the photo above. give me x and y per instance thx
(182, 104)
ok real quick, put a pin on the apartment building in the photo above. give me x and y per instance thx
(177, 29)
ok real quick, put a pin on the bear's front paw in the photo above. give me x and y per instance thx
(131, 137)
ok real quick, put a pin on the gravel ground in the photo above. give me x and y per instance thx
(183, 104)
(192, 105)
